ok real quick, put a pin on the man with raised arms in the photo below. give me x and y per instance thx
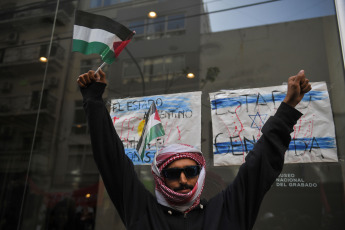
(179, 170)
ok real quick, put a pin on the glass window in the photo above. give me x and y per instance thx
(36, 99)
(104, 3)
(29, 53)
(81, 160)
(11, 55)
(138, 27)
(110, 2)
(176, 22)
(159, 24)
(156, 25)
(163, 65)
(95, 3)
(48, 177)
(79, 123)
(130, 69)
(175, 64)
(89, 165)
(79, 129)
(79, 116)
(74, 164)
(164, 26)
(77, 149)
(88, 64)
(157, 66)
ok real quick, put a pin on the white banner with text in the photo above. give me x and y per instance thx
(239, 115)
(180, 115)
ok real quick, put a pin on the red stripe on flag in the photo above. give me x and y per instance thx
(119, 46)
(157, 116)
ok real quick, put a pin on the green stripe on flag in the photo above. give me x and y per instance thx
(142, 154)
(102, 49)
(154, 132)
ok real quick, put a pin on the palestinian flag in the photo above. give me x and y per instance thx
(96, 34)
(153, 128)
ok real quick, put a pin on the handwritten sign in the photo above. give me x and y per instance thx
(180, 115)
(239, 115)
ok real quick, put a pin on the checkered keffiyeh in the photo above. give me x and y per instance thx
(168, 197)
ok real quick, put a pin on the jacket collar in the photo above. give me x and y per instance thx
(170, 211)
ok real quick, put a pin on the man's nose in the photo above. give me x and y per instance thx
(183, 178)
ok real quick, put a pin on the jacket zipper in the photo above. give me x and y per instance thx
(185, 221)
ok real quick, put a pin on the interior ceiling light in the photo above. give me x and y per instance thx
(43, 59)
(190, 75)
(152, 14)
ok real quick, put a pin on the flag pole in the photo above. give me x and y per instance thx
(100, 67)
(156, 146)
(154, 158)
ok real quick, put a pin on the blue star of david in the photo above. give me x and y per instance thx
(258, 120)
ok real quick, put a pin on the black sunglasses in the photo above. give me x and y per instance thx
(175, 173)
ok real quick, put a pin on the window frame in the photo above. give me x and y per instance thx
(156, 35)
(152, 76)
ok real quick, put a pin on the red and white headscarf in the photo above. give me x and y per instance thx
(168, 197)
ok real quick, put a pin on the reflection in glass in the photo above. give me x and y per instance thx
(138, 27)
(176, 22)
(255, 46)
(95, 3)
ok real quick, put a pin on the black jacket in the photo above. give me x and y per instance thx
(234, 208)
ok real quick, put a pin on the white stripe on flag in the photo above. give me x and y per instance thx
(95, 35)
(151, 123)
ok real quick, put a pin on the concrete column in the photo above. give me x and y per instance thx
(340, 8)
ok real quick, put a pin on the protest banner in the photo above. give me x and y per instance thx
(180, 115)
(239, 115)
